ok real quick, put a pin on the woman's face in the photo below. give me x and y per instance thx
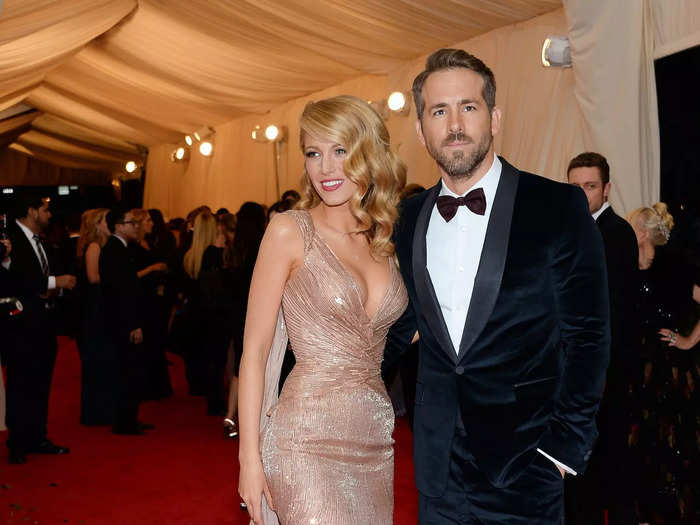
(324, 162)
(147, 224)
(646, 248)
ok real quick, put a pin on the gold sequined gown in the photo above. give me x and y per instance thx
(327, 448)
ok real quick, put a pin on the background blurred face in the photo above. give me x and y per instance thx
(324, 162)
(589, 180)
(147, 224)
(130, 228)
(457, 126)
(41, 216)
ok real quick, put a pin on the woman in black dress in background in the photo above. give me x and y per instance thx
(667, 441)
(152, 272)
(97, 355)
(251, 221)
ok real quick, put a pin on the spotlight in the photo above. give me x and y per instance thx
(130, 166)
(258, 135)
(179, 154)
(396, 101)
(271, 132)
(556, 52)
(206, 148)
(188, 140)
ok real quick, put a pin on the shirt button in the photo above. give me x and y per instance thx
(460, 268)
(459, 370)
(464, 228)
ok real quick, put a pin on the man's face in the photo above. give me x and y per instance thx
(41, 215)
(130, 228)
(589, 180)
(457, 127)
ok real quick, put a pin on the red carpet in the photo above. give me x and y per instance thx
(183, 472)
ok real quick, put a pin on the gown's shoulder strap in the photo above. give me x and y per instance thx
(306, 226)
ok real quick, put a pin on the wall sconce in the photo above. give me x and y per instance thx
(130, 167)
(556, 52)
(399, 102)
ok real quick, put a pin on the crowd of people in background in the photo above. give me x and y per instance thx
(134, 287)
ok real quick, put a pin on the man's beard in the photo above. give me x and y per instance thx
(460, 165)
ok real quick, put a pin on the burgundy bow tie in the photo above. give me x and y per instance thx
(475, 200)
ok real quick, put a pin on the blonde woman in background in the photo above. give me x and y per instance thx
(97, 355)
(668, 292)
(325, 452)
(204, 234)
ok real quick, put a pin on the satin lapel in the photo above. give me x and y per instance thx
(487, 283)
(429, 305)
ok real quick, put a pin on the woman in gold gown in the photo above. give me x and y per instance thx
(323, 452)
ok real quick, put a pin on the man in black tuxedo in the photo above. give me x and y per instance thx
(123, 299)
(506, 280)
(600, 488)
(30, 361)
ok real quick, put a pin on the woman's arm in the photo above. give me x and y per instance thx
(92, 263)
(281, 252)
(155, 267)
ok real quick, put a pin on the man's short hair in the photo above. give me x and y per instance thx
(444, 59)
(591, 159)
(26, 200)
(116, 216)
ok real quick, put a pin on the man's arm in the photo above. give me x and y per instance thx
(398, 339)
(581, 291)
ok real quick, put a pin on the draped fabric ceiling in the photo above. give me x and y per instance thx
(109, 78)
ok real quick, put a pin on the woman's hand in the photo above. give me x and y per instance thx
(251, 486)
(676, 339)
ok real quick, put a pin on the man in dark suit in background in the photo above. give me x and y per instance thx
(30, 362)
(123, 300)
(600, 488)
(505, 275)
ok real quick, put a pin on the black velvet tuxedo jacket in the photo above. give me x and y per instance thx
(622, 261)
(121, 290)
(530, 368)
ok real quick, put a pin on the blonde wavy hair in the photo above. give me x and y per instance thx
(89, 230)
(370, 163)
(655, 220)
(203, 236)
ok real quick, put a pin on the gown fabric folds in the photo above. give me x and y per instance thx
(326, 443)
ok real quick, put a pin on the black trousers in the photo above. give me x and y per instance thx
(129, 384)
(535, 498)
(30, 362)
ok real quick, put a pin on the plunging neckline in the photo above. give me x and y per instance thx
(351, 277)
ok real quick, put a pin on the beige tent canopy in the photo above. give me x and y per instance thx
(104, 81)
(105, 75)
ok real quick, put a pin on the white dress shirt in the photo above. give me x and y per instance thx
(30, 237)
(453, 254)
(454, 250)
(604, 207)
